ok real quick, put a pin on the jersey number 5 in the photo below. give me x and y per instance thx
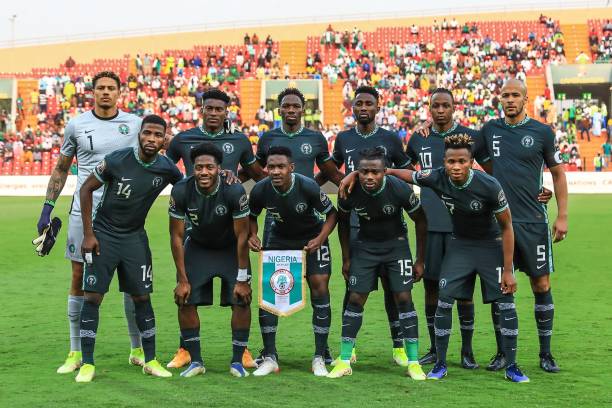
(496, 148)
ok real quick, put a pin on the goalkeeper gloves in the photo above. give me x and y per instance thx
(44, 243)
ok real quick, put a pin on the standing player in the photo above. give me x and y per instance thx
(380, 249)
(366, 134)
(475, 202)
(116, 239)
(90, 136)
(216, 246)
(295, 203)
(307, 149)
(518, 148)
(236, 150)
(428, 152)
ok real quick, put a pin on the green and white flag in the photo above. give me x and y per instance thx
(282, 283)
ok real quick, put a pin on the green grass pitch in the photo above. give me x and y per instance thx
(34, 335)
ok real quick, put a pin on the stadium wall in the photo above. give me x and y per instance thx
(23, 59)
(577, 182)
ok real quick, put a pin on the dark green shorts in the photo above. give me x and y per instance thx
(130, 255)
(369, 262)
(437, 245)
(317, 263)
(466, 258)
(533, 249)
(202, 265)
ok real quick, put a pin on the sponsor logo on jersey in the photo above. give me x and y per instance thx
(124, 129)
(157, 181)
(476, 205)
(501, 198)
(172, 204)
(282, 281)
(221, 210)
(228, 148)
(324, 198)
(91, 280)
(100, 167)
(527, 141)
(306, 148)
(414, 200)
(388, 209)
(300, 207)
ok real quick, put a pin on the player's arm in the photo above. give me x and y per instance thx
(560, 185)
(90, 243)
(344, 235)
(420, 225)
(242, 289)
(330, 172)
(331, 218)
(54, 188)
(177, 232)
(256, 207)
(504, 219)
(406, 175)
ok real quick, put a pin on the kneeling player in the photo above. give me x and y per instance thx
(381, 245)
(216, 246)
(295, 202)
(134, 177)
(475, 201)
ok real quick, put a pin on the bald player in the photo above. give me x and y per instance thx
(517, 149)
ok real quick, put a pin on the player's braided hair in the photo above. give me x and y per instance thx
(444, 91)
(106, 74)
(291, 91)
(373, 153)
(458, 141)
(368, 90)
(216, 93)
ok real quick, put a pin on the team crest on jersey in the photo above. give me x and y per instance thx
(228, 148)
(91, 280)
(388, 209)
(300, 207)
(157, 181)
(527, 141)
(476, 205)
(124, 129)
(282, 282)
(306, 148)
(221, 210)
(442, 283)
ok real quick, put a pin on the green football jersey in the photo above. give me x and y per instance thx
(131, 187)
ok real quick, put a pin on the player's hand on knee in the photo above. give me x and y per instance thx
(508, 282)
(347, 184)
(45, 218)
(313, 245)
(559, 229)
(229, 177)
(254, 243)
(418, 270)
(346, 266)
(242, 290)
(181, 293)
(545, 195)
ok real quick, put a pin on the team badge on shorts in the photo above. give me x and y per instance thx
(228, 148)
(442, 283)
(306, 148)
(527, 141)
(221, 210)
(157, 181)
(353, 280)
(91, 280)
(124, 129)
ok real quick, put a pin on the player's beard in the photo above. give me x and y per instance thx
(519, 110)
(365, 121)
